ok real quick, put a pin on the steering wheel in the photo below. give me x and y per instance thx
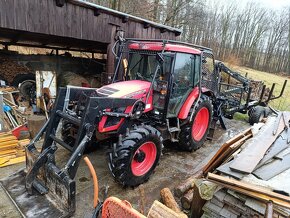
(139, 75)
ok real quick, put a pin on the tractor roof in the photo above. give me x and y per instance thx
(167, 45)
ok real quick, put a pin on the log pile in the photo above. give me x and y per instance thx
(257, 86)
(10, 68)
(11, 149)
(251, 168)
(169, 209)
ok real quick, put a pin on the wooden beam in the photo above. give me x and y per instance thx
(251, 190)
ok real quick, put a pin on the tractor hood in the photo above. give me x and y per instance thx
(125, 89)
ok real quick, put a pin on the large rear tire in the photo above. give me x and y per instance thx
(193, 134)
(136, 155)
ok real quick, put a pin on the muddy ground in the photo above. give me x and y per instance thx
(174, 167)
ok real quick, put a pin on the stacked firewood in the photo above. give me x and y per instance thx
(10, 68)
(257, 90)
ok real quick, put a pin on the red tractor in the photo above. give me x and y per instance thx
(162, 81)
(161, 90)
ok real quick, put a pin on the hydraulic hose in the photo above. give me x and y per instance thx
(95, 180)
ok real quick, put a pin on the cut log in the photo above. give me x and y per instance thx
(35, 123)
(187, 184)
(159, 210)
(186, 199)
(168, 200)
(8, 147)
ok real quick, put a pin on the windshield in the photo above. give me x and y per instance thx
(141, 66)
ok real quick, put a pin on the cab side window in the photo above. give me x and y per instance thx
(182, 83)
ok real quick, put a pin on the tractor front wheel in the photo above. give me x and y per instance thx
(193, 134)
(136, 155)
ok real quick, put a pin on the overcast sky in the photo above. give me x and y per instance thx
(275, 4)
(271, 4)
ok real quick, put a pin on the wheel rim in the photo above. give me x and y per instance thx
(143, 158)
(200, 124)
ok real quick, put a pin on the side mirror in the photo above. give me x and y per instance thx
(160, 58)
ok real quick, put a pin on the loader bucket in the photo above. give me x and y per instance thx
(35, 205)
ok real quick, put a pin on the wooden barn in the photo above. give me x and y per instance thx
(73, 25)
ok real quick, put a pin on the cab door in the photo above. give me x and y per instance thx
(185, 77)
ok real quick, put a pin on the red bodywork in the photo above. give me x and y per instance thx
(183, 113)
(136, 89)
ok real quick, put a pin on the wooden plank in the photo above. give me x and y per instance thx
(7, 138)
(225, 169)
(8, 147)
(12, 142)
(246, 186)
(249, 157)
(263, 197)
(9, 152)
(227, 149)
(279, 145)
(273, 168)
(13, 161)
(4, 134)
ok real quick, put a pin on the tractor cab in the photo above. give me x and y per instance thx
(173, 71)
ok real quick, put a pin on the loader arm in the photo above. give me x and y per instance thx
(45, 181)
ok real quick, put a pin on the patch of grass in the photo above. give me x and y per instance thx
(241, 117)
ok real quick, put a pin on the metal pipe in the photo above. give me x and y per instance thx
(271, 93)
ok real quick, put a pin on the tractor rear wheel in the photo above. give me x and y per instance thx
(133, 159)
(193, 134)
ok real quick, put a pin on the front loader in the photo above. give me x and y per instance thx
(161, 90)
